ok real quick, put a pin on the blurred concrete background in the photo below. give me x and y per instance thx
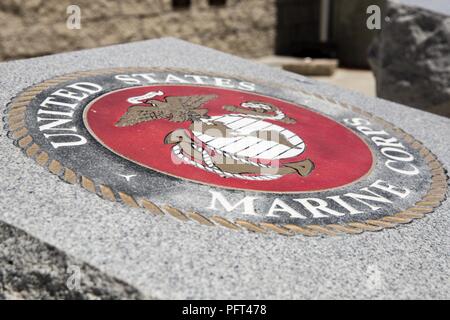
(250, 28)
(408, 53)
(37, 27)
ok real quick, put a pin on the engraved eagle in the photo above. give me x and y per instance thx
(241, 144)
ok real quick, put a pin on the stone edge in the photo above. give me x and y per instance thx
(33, 269)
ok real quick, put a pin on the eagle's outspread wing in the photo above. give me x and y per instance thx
(184, 108)
(188, 103)
(138, 114)
(173, 108)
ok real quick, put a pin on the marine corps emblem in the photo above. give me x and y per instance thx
(241, 144)
(227, 137)
(225, 151)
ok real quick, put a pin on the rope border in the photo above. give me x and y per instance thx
(15, 126)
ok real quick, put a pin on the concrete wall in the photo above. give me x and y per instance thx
(349, 31)
(38, 27)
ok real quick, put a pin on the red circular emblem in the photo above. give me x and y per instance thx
(228, 138)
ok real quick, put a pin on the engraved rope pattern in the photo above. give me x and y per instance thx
(214, 169)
